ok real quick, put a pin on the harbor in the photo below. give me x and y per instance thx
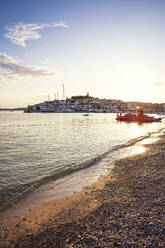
(89, 104)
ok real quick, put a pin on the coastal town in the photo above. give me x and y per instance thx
(89, 104)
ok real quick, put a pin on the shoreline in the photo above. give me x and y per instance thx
(113, 212)
(34, 194)
(73, 182)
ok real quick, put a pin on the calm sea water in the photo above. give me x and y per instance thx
(36, 148)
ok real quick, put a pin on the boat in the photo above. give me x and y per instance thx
(139, 117)
(85, 114)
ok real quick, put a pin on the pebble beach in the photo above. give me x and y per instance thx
(124, 209)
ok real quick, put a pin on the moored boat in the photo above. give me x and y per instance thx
(139, 117)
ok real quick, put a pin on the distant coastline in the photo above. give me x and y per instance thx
(89, 104)
(12, 109)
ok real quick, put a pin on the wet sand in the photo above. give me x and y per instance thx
(124, 209)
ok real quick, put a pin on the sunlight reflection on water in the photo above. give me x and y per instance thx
(135, 130)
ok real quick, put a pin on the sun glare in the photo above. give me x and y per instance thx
(135, 130)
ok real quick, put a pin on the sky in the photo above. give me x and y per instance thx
(112, 49)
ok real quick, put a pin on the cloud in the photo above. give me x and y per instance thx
(21, 32)
(59, 24)
(10, 69)
(46, 61)
(158, 83)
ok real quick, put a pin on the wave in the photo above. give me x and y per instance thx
(29, 187)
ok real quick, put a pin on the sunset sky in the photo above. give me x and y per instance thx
(110, 48)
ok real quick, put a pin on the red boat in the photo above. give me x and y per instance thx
(139, 117)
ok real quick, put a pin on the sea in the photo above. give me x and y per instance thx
(38, 149)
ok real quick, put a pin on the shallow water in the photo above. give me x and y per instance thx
(35, 147)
